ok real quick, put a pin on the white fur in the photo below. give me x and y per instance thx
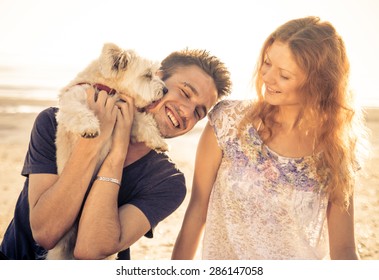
(127, 73)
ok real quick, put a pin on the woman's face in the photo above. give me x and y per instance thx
(282, 77)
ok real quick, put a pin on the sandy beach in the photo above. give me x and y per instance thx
(14, 137)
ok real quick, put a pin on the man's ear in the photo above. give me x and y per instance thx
(113, 60)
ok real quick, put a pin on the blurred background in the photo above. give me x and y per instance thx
(44, 43)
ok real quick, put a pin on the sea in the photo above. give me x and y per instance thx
(30, 84)
(26, 83)
(30, 89)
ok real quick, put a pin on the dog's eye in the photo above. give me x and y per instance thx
(149, 75)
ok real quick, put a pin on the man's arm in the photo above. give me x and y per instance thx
(104, 228)
(55, 200)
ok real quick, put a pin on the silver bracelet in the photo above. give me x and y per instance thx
(107, 179)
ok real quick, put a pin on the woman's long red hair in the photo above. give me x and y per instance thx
(328, 106)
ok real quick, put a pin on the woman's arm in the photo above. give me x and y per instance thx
(341, 232)
(55, 201)
(208, 159)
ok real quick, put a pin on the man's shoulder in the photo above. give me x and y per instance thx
(162, 161)
(47, 117)
(50, 111)
(157, 165)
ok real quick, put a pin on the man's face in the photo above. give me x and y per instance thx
(191, 93)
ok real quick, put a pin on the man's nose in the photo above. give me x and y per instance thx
(187, 109)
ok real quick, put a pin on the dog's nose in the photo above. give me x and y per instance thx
(165, 90)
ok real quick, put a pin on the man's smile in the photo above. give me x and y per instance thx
(172, 117)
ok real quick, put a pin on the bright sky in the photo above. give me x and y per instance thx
(68, 34)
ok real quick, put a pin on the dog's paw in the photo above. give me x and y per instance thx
(88, 134)
(162, 148)
(157, 144)
(153, 141)
(90, 129)
(145, 130)
(87, 126)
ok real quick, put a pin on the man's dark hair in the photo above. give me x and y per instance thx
(201, 58)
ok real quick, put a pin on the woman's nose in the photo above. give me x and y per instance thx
(268, 76)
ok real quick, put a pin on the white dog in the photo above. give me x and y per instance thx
(118, 72)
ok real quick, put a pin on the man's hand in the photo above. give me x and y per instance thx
(105, 109)
(123, 126)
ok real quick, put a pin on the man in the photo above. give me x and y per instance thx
(137, 188)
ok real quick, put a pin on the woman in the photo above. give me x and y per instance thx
(274, 177)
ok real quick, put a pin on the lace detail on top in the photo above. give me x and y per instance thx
(262, 205)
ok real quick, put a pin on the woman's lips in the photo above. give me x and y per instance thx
(271, 90)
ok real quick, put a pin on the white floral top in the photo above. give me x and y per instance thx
(262, 205)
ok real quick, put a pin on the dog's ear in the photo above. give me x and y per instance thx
(113, 60)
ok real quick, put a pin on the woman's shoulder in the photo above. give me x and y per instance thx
(230, 109)
(232, 104)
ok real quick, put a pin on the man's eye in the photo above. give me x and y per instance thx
(185, 93)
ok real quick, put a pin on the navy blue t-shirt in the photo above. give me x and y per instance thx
(152, 183)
